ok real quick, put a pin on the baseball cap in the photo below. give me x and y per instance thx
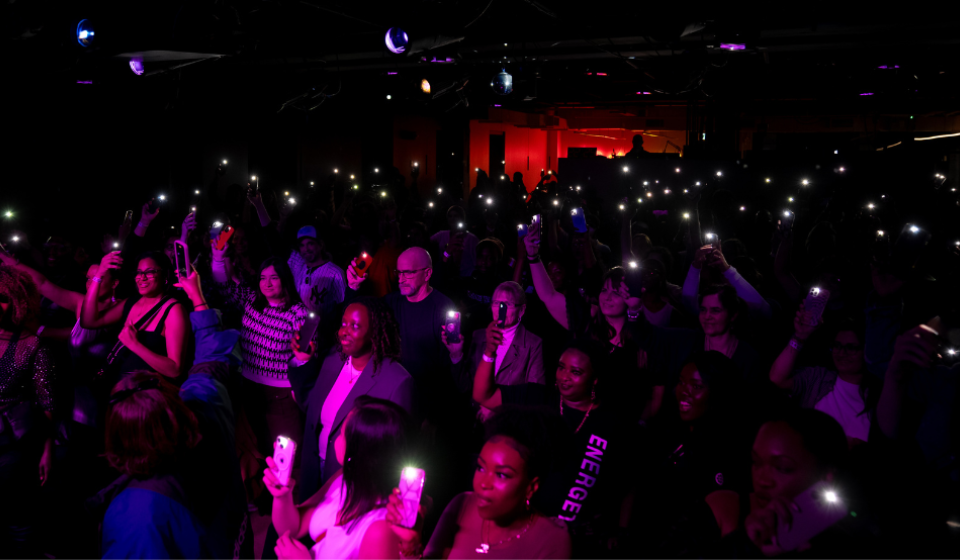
(307, 231)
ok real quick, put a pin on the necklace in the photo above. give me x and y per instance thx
(353, 369)
(484, 547)
(585, 416)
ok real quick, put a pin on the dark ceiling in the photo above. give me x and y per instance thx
(316, 55)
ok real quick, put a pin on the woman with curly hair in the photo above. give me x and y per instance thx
(365, 362)
(26, 396)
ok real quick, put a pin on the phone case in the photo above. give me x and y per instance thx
(710, 239)
(224, 236)
(502, 314)
(452, 325)
(815, 303)
(521, 230)
(818, 508)
(579, 220)
(363, 264)
(182, 256)
(309, 330)
(283, 457)
(633, 278)
(411, 488)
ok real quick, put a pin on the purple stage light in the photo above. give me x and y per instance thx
(84, 81)
(396, 40)
(391, 73)
(136, 64)
(866, 94)
(733, 46)
(643, 93)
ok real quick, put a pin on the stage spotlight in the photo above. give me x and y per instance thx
(85, 33)
(397, 40)
(136, 64)
(424, 86)
(502, 83)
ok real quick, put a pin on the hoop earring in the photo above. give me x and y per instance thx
(528, 504)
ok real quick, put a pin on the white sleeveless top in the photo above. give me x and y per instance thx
(335, 541)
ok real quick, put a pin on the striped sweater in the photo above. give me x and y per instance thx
(264, 336)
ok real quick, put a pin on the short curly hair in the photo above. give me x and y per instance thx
(23, 294)
(384, 331)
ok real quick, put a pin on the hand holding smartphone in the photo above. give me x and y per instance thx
(578, 219)
(451, 325)
(307, 331)
(633, 278)
(182, 258)
(363, 265)
(815, 303)
(711, 239)
(502, 315)
(283, 456)
(786, 222)
(411, 490)
(815, 510)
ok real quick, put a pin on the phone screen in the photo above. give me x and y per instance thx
(710, 238)
(817, 509)
(786, 221)
(633, 278)
(502, 315)
(816, 302)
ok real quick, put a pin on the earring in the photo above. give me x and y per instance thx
(593, 394)
(528, 504)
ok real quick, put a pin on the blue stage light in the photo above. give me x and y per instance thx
(85, 33)
(397, 40)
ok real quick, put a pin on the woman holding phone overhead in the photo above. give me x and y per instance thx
(154, 328)
(347, 516)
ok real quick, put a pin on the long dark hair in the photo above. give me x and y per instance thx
(383, 331)
(290, 293)
(377, 433)
(599, 328)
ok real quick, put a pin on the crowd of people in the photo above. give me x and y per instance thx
(574, 381)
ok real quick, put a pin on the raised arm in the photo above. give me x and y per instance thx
(90, 313)
(913, 349)
(555, 302)
(64, 298)
(781, 267)
(485, 390)
(781, 373)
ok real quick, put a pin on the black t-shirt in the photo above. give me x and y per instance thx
(422, 349)
(590, 479)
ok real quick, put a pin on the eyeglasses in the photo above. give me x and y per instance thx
(507, 303)
(402, 273)
(151, 273)
(846, 347)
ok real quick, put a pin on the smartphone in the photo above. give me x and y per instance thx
(786, 222)
(452, 326)
(363, 264)
(220, 235)
(502, 315)
(633, 278)
(411, 488)
(283, 456)
(308, 330)
(182, 258)
(815, 303)
(579, 220)
(128, 216)
(521, 230)
(537, 220)
(908, 247)
(711, 239)
(154, 204)
(817, 509)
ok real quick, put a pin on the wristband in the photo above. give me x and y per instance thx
(488, 360)
(446, 255)
(633, 316)
(534, 259)
(140, 224)
(97, 279)
(796, 343)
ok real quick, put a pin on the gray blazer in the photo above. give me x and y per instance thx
(313, 381)
(522, 364)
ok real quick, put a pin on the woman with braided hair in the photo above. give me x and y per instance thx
(365, 362)
(26, 396)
